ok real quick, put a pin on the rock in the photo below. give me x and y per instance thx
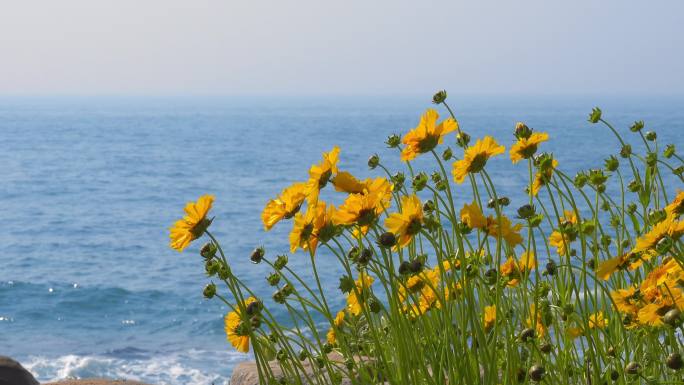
(12, 373)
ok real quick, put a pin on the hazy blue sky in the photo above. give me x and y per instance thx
(279, 46)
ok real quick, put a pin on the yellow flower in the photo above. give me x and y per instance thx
(668, 226)
(339, 318)
(363, 209)
(236, 334)
(193, 224)
(346, 182)
(362, 284)
(648, 315)
(286, 205)
(609, 266)
(331, 336)
(475, 158)
(472, 216)
(624, 299)
(427, 135)
(408, 222)
(424, 283)
(524, 148)
(595, 321)
(513, 269)
(319, 174)
(560, 241)
(509, 232)
(489, 317)
(306, 228)
(542, 178)
(676, 208)
(655, 278)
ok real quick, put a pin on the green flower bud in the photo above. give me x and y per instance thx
(526, 211)
(536, 220)
(404, 268)
(280, 262)
(651, 159)
(580, 179)
(393, 141)
(632, 368)
(387, 240)
(346, 284)
(504, 201)
(273, 278)
(526, 334)
(626, 151)
(546, 348)
(373, 161)
(631, 208)
(209, 291)
(420, 181)
(679, 171)
(490, 276)
(597, 177)
(257, 255)
(637, 126)
(223, 272)
(522, 131)
(208, 251)
(447, 154)
(327, 348)
(212, 267)
(606, 240)
(669, 151)
(551, 268)
(416, 266)
(462, 139)
(439, 97)
(674, 361)
(374, 305)
(536, 372)
(651, 136)
(595, 115)
(364, 257)
(614, 375)
(673, 317)
(429, 206)
(303, 355)
(254, 308)
(398, 180)
(612, 163)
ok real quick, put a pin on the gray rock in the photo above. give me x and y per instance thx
(12, 373)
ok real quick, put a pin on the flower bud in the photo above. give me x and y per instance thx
(674, 361)
(404, 268)
(611, 163)
(420, 181)
(631, 208)
(209, 291)
(253, 308)
(364, 257)
(522, 131)
(678, 171)
(651, 136)
(223, 272)
(595, 115)
(551, 268)
(346, 284)
(490, 276)
(393, 141)
(632, 368)
(673, 317)
(257, 255)
(398, 180)
(429, 206)
(626, 151)
(373, 161)
(536, 372)
(526, 211)
(614, 375)
(374, 305)
(669, 151)
(273, 278)
(447, 154)
(208, 251)
(280, 262)
(504, 201)
(303, 355)
(416, 266)
(546, 348)
(255, 322)
(637, 126)
(387, 240)
(439, 97)
(526, 334)
(580, 179)
(327, 348)
(462, 139)
(212, 267)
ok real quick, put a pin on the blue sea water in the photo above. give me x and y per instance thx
(89, 187)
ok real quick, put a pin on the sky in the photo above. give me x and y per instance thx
(341, 47)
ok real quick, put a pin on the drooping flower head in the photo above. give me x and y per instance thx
(285, 206)
(502, 227)
(193, 224)
(472, 216)
(306, 228)
(475, 158)
(237, 330)
(320, 174)
(346, 182)
(427, 135)
(408, 222)
(525, 147)
(364, 208)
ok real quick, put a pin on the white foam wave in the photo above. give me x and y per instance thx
(170, 369)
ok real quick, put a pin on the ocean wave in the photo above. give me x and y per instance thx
(193, 367)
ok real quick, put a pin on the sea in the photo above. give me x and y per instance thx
(89, 187)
